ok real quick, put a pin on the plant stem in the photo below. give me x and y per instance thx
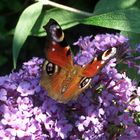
(54, 4)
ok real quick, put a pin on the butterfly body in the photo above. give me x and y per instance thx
(63, 79)
(61, 85)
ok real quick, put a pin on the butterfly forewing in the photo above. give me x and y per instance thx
(98, 63)
(57, 50)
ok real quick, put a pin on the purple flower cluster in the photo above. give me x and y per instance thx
(133, 61)
(91, 47)
(106, 111)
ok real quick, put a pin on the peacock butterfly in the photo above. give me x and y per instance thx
(63, 79)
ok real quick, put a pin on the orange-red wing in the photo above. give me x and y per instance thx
(92, 68)
(59, 55)
(57, 50)
(98, 63)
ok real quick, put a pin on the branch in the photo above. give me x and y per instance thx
(54, 4)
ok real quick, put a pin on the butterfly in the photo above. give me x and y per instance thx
(61, 77)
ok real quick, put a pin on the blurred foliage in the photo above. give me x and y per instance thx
(9, 14)
(25, 19)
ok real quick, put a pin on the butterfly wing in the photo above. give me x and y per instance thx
(57, 50)
(98, 63)
(58, 63)
(63, 80)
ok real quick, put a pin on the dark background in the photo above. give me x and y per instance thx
(9, 15)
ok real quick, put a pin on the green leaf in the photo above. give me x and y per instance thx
(137, 4)
(124, 20)
(104, 6)
(134, 38)
(65, 18)
(131, 72)
(23, 28)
